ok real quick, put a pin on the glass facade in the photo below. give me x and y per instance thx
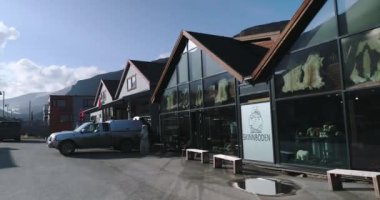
(324, 95)
(196, 119)
(328, 98)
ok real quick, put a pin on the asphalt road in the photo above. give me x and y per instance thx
(30, 170)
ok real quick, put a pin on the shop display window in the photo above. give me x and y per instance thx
(169, 100)
(195, 64)
(210, 67)
(221, 128)
(321, 29)
(183, 97)
(358, 15)
(170, 130)
(364, 122)
(361, 59)
(183, 75)
(219, 90)
(311, 131)
(312, 70)
(196, 94)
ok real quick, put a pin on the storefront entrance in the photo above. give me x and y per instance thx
(198, 136)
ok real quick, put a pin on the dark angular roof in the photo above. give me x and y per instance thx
(237, 57)
(263, 28)
(111, 86)
(240, 56)
(151, 70)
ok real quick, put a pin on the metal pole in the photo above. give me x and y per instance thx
(3, 103)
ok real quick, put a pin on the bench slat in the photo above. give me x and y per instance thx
(225, 157)
(353, 172)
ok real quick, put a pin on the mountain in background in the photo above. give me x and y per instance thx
(37, 100)
(90, 86)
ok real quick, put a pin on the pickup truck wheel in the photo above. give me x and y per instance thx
(126, 146)
(66, 148)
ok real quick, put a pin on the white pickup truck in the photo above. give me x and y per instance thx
(120, 134)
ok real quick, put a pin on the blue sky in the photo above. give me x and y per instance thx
(80, 38)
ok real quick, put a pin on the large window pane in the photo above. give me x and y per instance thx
(221, 127)
(219, 90)
(173, 79)
(311, 131)
(183, 69)
(196, 94)
(321, 29)
(169, 100)
(363, 112)
(195, 64)
(210, 67)
(308, 71)
(184, 139)
(356, 16)
(183, 97)
(361, 57)
(170, 131)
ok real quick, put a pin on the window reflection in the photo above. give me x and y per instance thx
(321, 29)
(313, 132)
(312, 70)
(355, 15)
(195, 64)
(183, 69)
(196, 94)
(219, 90)
(210, 67)
(183, 97)
(169, 100)
(361, 56)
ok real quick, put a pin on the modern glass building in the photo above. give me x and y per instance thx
(308, 102)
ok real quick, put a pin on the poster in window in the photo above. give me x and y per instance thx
(307, 71)
(257, 132)
(361, 55)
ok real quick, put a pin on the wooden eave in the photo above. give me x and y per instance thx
(123, 76)
(291, 32)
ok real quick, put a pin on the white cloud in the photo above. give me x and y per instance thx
(7, 33)
(164, 55)
(24, 76)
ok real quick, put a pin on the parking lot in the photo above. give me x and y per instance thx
(31, 171)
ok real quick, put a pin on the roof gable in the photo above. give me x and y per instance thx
(110, 85)
(150, 70)
(293, 30)
(234, 56)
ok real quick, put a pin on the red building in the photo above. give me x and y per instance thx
(64, 111)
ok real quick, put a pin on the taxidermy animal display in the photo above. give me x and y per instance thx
(302, 155)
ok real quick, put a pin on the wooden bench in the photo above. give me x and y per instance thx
(236, 162)
(190, 154)
(335, 182)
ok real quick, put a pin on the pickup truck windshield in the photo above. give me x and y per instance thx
(79, 128)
